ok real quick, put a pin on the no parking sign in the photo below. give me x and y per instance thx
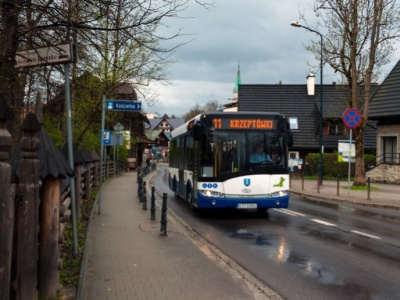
(351, 118)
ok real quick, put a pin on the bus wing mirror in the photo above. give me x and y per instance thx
(197, 131)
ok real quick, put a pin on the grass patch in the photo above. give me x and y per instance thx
(361, 188)
(71, 263)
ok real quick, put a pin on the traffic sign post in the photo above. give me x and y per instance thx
(351, 119)
(116, 105)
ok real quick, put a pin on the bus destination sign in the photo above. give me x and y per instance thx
(256, 124)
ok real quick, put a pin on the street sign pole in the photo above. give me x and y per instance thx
(116, 105)
(71, 158)
(103, 117)
(349, 172)
(351, 119)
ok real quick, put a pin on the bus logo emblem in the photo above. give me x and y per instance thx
(246, 181)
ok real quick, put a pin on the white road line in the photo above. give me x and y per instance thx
(366, 235)
(289, 212)
(323, 222)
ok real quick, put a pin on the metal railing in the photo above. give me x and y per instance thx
(388, 158)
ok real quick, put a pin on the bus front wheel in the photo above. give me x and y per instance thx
(262, 212)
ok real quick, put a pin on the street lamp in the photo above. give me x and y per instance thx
(320, 162)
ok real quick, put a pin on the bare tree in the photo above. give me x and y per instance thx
(359, 36)
(120, 39)
(211, 105)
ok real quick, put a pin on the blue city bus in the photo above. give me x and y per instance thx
(210, 163)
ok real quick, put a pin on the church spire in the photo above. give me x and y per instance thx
(236, 88)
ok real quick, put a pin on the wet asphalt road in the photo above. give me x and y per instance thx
(314, 250)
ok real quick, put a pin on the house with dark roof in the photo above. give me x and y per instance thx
(160, 133)
(385, 109)
(165, 124)
(303, 112)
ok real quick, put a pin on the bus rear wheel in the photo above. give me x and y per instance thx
(189, 200)
(175, 188)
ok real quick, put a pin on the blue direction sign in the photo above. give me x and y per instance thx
(105, 138)
(351, 118)
(124, 105)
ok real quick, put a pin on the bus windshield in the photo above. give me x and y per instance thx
(229, 153)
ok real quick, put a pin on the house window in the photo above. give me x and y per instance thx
(390, 154)
(293, 123)
(336, 129)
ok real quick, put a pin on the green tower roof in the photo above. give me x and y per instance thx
(238, 81)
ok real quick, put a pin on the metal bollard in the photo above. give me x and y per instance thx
(144, 199)
(140, 188)
(163, 230)
(369, 189)
(138, 174)
(153, 204)
(338, 185)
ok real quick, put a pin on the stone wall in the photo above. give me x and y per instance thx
(385, 173)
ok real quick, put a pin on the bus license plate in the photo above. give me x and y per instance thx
(246, 205)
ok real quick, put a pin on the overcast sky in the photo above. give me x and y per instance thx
(255, 34)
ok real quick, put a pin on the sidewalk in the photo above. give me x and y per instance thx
(387, 195)
(127, 258)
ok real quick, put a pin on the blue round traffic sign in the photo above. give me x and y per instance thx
(351, 118)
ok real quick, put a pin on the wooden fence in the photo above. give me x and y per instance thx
(35, 205)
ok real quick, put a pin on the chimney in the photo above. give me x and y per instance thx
(311, 84)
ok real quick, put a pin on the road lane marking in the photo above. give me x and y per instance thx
(323, 222)
(290, 212)
(366, 235)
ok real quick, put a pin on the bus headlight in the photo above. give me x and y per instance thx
(278, 194)
(209, 193)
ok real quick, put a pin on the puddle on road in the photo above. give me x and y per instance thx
(278, 250)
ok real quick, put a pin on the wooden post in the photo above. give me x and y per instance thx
(96, 174)
(95, 168)
(49, 253)
(88, 174)
(107, 172)
(28, 211)
(7, 204)
(78, 191)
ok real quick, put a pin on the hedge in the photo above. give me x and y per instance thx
(331, 166)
